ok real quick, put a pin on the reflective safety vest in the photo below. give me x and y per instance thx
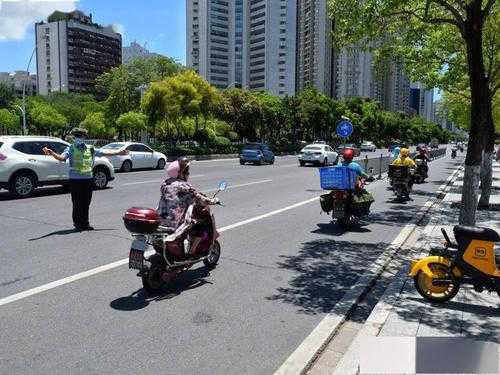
(82, 160)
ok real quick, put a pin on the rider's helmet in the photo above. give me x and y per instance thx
(348, 154)
(179, 168)
(404, 152)
(422, 151)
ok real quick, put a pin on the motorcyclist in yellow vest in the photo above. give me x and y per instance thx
(81, 163)
(404, 159)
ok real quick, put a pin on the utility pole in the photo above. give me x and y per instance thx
(23, 109)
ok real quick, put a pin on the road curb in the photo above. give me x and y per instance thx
(302, 359)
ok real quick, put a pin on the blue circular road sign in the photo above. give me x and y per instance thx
(344, 128)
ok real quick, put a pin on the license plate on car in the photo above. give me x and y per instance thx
(136, 255)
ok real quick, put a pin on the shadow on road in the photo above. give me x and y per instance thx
(66, 232)
(191, 279)
(333, 229)
(323, 271)
(43, 192)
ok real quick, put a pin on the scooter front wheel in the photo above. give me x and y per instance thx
(436, 293)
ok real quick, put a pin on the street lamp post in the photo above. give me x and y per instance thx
(23, 109)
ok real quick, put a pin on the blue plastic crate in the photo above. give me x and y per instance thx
(337, 178)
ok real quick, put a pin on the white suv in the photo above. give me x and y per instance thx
(24, 166)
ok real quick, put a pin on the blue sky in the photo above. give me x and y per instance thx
(159, 23)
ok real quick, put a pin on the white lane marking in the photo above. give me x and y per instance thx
(157, 181)
(107, 267)
(303, 357)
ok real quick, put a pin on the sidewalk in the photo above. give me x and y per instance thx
(402, 312)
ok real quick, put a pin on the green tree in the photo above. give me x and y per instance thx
(74, 107)
(7, 95)
(435, 37)
(132, 123)
(9, 122)
(240, 108)
(46, 119)
(95, 123)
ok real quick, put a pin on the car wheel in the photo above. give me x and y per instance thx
(272, 161)
(161, 164)
(101, 178)
(325, 162)
(242, 162)
(22, 185)
(302, 163)
(126, 166)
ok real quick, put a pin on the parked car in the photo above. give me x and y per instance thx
(24, 166)
(368, 146)
(352, 146)
(318, 153)
(140, 156)
(256, 153)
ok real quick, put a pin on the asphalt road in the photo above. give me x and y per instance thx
(277, 278)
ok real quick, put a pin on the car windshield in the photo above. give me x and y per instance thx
(114, 146)
(349, 145)
(309, 148)
(251, 147)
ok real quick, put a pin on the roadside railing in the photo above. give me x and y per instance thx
(380, 165)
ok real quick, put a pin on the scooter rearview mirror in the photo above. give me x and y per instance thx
(222, 185)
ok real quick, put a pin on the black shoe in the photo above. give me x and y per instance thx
(78, 228)
(88, 228)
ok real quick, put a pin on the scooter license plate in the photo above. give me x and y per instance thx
(136, 255)
(338, 210)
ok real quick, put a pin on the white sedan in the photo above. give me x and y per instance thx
(139, 156)
(318, 154)
(368, 146)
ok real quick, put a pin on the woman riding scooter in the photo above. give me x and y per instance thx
(177, 194)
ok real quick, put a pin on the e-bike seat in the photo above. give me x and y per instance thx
(464, 233)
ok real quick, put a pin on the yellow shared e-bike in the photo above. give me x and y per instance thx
(471, 260)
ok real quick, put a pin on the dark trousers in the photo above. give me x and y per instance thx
(81, 195)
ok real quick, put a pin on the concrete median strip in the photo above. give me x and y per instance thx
(121, 262)
(304, 356)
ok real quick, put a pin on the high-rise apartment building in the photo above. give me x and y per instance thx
(314, 48)
(352, 74)
(422, 101)
(270, 46)
(249, 43)
(211, 40)
(72, 52)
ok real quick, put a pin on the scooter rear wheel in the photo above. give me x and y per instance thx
(151, 279)
(213, 256)
(434, 293)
